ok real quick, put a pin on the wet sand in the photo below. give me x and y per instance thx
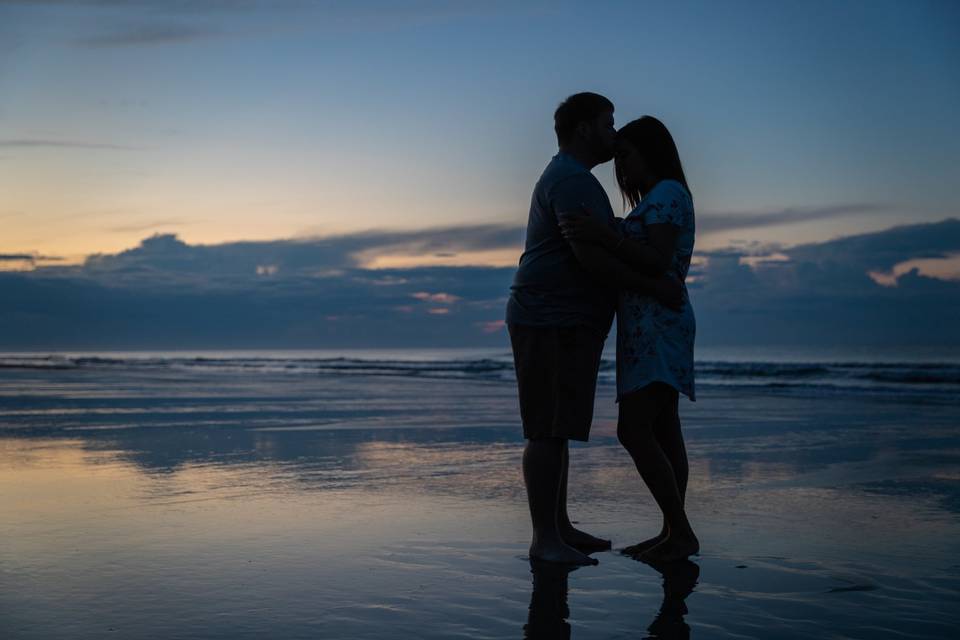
(167, 506)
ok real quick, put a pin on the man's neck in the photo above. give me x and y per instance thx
(580, 155)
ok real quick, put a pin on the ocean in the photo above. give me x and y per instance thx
(850, 372)
(372, 494)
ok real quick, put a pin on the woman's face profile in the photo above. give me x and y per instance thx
(630, 164)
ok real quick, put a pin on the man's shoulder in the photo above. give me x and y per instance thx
(565, 179)
(561, 169)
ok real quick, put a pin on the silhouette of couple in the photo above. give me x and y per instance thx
(580, 266)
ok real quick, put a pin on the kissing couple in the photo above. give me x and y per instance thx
(580, 266)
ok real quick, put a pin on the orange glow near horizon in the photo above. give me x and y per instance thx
(947, 268)
(491, 258)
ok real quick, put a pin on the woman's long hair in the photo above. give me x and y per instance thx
(652, 141)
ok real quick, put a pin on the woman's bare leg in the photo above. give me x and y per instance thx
(670, 436)
(637, 433)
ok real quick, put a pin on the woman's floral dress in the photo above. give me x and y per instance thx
(654, 343)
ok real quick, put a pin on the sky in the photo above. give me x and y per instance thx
(404, 139)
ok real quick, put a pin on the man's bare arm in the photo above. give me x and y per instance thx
(610, 271)
(652, 257)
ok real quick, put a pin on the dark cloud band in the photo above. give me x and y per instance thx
(296, 293)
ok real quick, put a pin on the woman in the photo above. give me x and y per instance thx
(654, 342)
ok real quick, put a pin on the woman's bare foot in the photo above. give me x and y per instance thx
(673, 548)
(560, 553)
(583, 541)
(641, 547)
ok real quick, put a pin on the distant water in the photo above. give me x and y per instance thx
(779, 370)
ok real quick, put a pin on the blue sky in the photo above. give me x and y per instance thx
(250, 120)
(246, 121)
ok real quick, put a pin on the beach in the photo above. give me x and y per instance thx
(372, 495)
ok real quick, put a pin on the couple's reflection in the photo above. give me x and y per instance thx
(548, 613)
(547, 618)
(679, 579)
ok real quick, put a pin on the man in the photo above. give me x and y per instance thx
(560, 310)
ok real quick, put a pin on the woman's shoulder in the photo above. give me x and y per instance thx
(668, 201)
(666, 190)
(665, 194)
(670, 194)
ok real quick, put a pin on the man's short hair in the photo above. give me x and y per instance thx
(580, 107)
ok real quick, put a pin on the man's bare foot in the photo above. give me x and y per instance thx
(583, 541)
(642, 547)
(674, 548)
(559, 553)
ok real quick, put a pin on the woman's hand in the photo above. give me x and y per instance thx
(582, 226)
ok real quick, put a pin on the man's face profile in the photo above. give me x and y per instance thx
(604, 136)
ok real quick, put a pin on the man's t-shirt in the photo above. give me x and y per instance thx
(550, 288)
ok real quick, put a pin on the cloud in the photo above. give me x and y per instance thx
(493, 326)
(443, 242)
(59, 310)
(715, 222)
(147, 34)
(337, 16)
(24, 261)
(315, 293)
(27, 143)
(32, 257)
(437, 298)
(163, 256)
(947, 268)
(167, 5)
(885, 249)
(146, 226)
(824, 293)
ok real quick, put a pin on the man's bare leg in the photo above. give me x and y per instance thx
(542, 471)
(580, 540)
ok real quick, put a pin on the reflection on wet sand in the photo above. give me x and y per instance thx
(547, 618)
(173, 518)
(679, 579)
(171, 449)
(549, 608)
